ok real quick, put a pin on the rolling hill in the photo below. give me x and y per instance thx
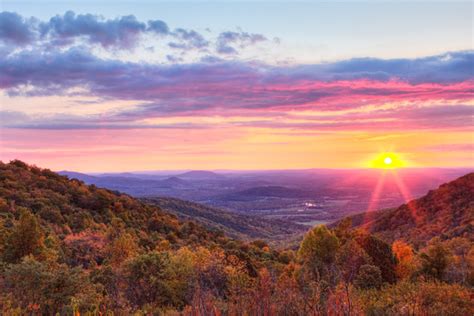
(446, 212)
(233, 224)
(266, 191)
(129, 184)
(200, 175)
(69, 206)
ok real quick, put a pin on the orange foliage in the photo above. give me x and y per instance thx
(406, 264)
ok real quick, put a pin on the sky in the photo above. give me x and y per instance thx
(103, 86)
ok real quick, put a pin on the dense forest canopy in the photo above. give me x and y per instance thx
(69, 248)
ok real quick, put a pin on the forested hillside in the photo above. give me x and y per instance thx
(232, 224)
(72, 249)
(446, 212)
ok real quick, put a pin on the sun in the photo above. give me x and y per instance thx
(387, 160)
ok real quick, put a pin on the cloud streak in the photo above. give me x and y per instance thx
(187, 88)
(444, 117)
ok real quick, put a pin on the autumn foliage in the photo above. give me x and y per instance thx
(71, 249)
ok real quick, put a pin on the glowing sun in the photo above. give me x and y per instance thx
(387, 161)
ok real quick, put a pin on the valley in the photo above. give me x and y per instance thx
(300, 197)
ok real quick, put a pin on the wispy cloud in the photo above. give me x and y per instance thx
(465, 147)
(227, 41)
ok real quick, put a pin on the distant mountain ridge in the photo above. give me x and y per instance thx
(446, 212)
(79, 176)
(200, 174)
(127, 183)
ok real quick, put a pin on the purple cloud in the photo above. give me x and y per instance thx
(227, 40)
(297, 84)
(15, 29)
(227, 89)
(121, 32)
(159, 27)
(449, 67)
(188, 39)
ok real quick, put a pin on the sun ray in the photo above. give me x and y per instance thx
(389, 162)
(374, 199)
(407, 196)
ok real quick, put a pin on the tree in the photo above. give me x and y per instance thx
(343, 229)
(152, 279)
(406, 262)
(263, 293)
(343, 301)
(26, 238)
(49, 289)
(239, 285)
(182, 271)
(318, 250)
(462, 260)
(350, 257)
(121, 248)
(381, 254)
(435, 259)
(286, 256)
(369, 276)
(288, 298)
(418, 298)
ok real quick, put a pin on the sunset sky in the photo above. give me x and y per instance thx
(105, 86)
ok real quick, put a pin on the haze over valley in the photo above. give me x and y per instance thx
(306, 197)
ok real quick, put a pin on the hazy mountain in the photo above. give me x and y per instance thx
(134, 185)
(200, 174)
(79, 176)
(175, 181)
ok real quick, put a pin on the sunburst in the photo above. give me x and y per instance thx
(387, 160)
